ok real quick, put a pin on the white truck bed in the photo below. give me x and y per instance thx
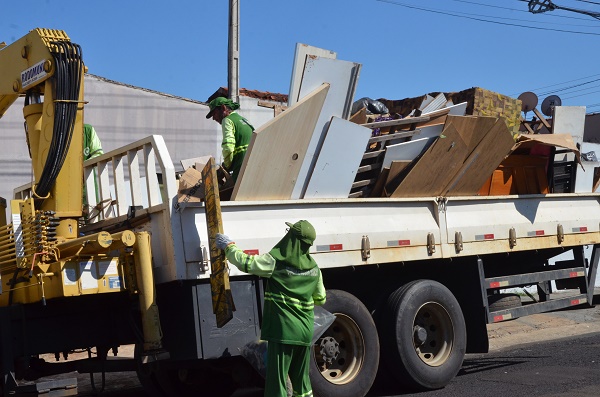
(398, 230)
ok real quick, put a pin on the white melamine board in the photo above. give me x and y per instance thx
(339, 159)
(428, 99)
(302, 51)
(569, 120)
(342, 77)
(436, 104)
(277, 149)
(405, 151)
(458, 109)
(584, 180)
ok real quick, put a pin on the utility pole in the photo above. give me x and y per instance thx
(233, 55)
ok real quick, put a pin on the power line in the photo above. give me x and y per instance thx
(484, 20)
(587, 1)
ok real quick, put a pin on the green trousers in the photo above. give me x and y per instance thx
(284, 360)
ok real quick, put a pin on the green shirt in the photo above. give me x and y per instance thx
(237, 132)
(290, 295)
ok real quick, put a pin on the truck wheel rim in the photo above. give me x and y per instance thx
(346, 366)
(433, 334)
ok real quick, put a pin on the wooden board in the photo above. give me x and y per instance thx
(342, 77)
(335, 169)
(359, 117)
(435, 168)
(518, 174)
(222, 299)
(472, 129)
(482, 161)
(277, 150)
(302, 51)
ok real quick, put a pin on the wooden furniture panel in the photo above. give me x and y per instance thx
(482, 161)
(518, 174)
(435, 168)
(277, 150)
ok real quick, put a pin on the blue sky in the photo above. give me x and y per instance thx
(406, 47)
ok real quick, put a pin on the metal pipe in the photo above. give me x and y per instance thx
(147, 294)
(84, 245)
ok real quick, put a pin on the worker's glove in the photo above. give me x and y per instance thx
(222, 241)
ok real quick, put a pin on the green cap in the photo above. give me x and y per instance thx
(219, 101)
(303, 230)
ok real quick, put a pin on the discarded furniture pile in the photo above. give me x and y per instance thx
(326, 146)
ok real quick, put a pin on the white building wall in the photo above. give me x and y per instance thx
(122, 114)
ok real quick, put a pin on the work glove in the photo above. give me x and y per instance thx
(222, 241)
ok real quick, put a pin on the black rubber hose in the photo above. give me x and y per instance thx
(67, 85)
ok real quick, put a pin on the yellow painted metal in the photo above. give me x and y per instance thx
(27, 64)
(222, 298)
(147, 293)
(87, 245)
(29, 50)
(65, 278)
(66, 196)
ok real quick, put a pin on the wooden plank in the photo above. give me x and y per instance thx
(391, 123)
(222, 299)
(335, 169)
(366, 182)
(482, 161)
(277, 149)
(370, 155)
(369, 167)
(435, 168)
(359, 117)
(396, 135)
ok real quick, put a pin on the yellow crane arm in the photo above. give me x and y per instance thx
(47, 69)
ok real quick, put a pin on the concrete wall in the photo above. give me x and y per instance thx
(122, 114)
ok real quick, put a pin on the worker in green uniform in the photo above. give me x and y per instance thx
(237, 132)
(294, 285)
(92, 147)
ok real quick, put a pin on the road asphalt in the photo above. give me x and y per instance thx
(574, 321)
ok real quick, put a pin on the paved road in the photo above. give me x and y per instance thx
(525, 359)
(563, 368)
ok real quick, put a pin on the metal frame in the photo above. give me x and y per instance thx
(586, 273)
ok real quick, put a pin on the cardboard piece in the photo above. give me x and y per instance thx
(564, 141)
(191, 189)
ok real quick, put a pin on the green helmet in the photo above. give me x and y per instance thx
(303, 230)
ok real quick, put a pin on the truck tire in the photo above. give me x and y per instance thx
(498, 302)
(351, 346)
(423, 335)
(146, 375)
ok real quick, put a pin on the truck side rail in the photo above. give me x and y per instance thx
(140, 174)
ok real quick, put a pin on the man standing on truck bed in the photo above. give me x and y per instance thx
(294, 285)
(237, 132)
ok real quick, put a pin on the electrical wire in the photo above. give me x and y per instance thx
(484, 20)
